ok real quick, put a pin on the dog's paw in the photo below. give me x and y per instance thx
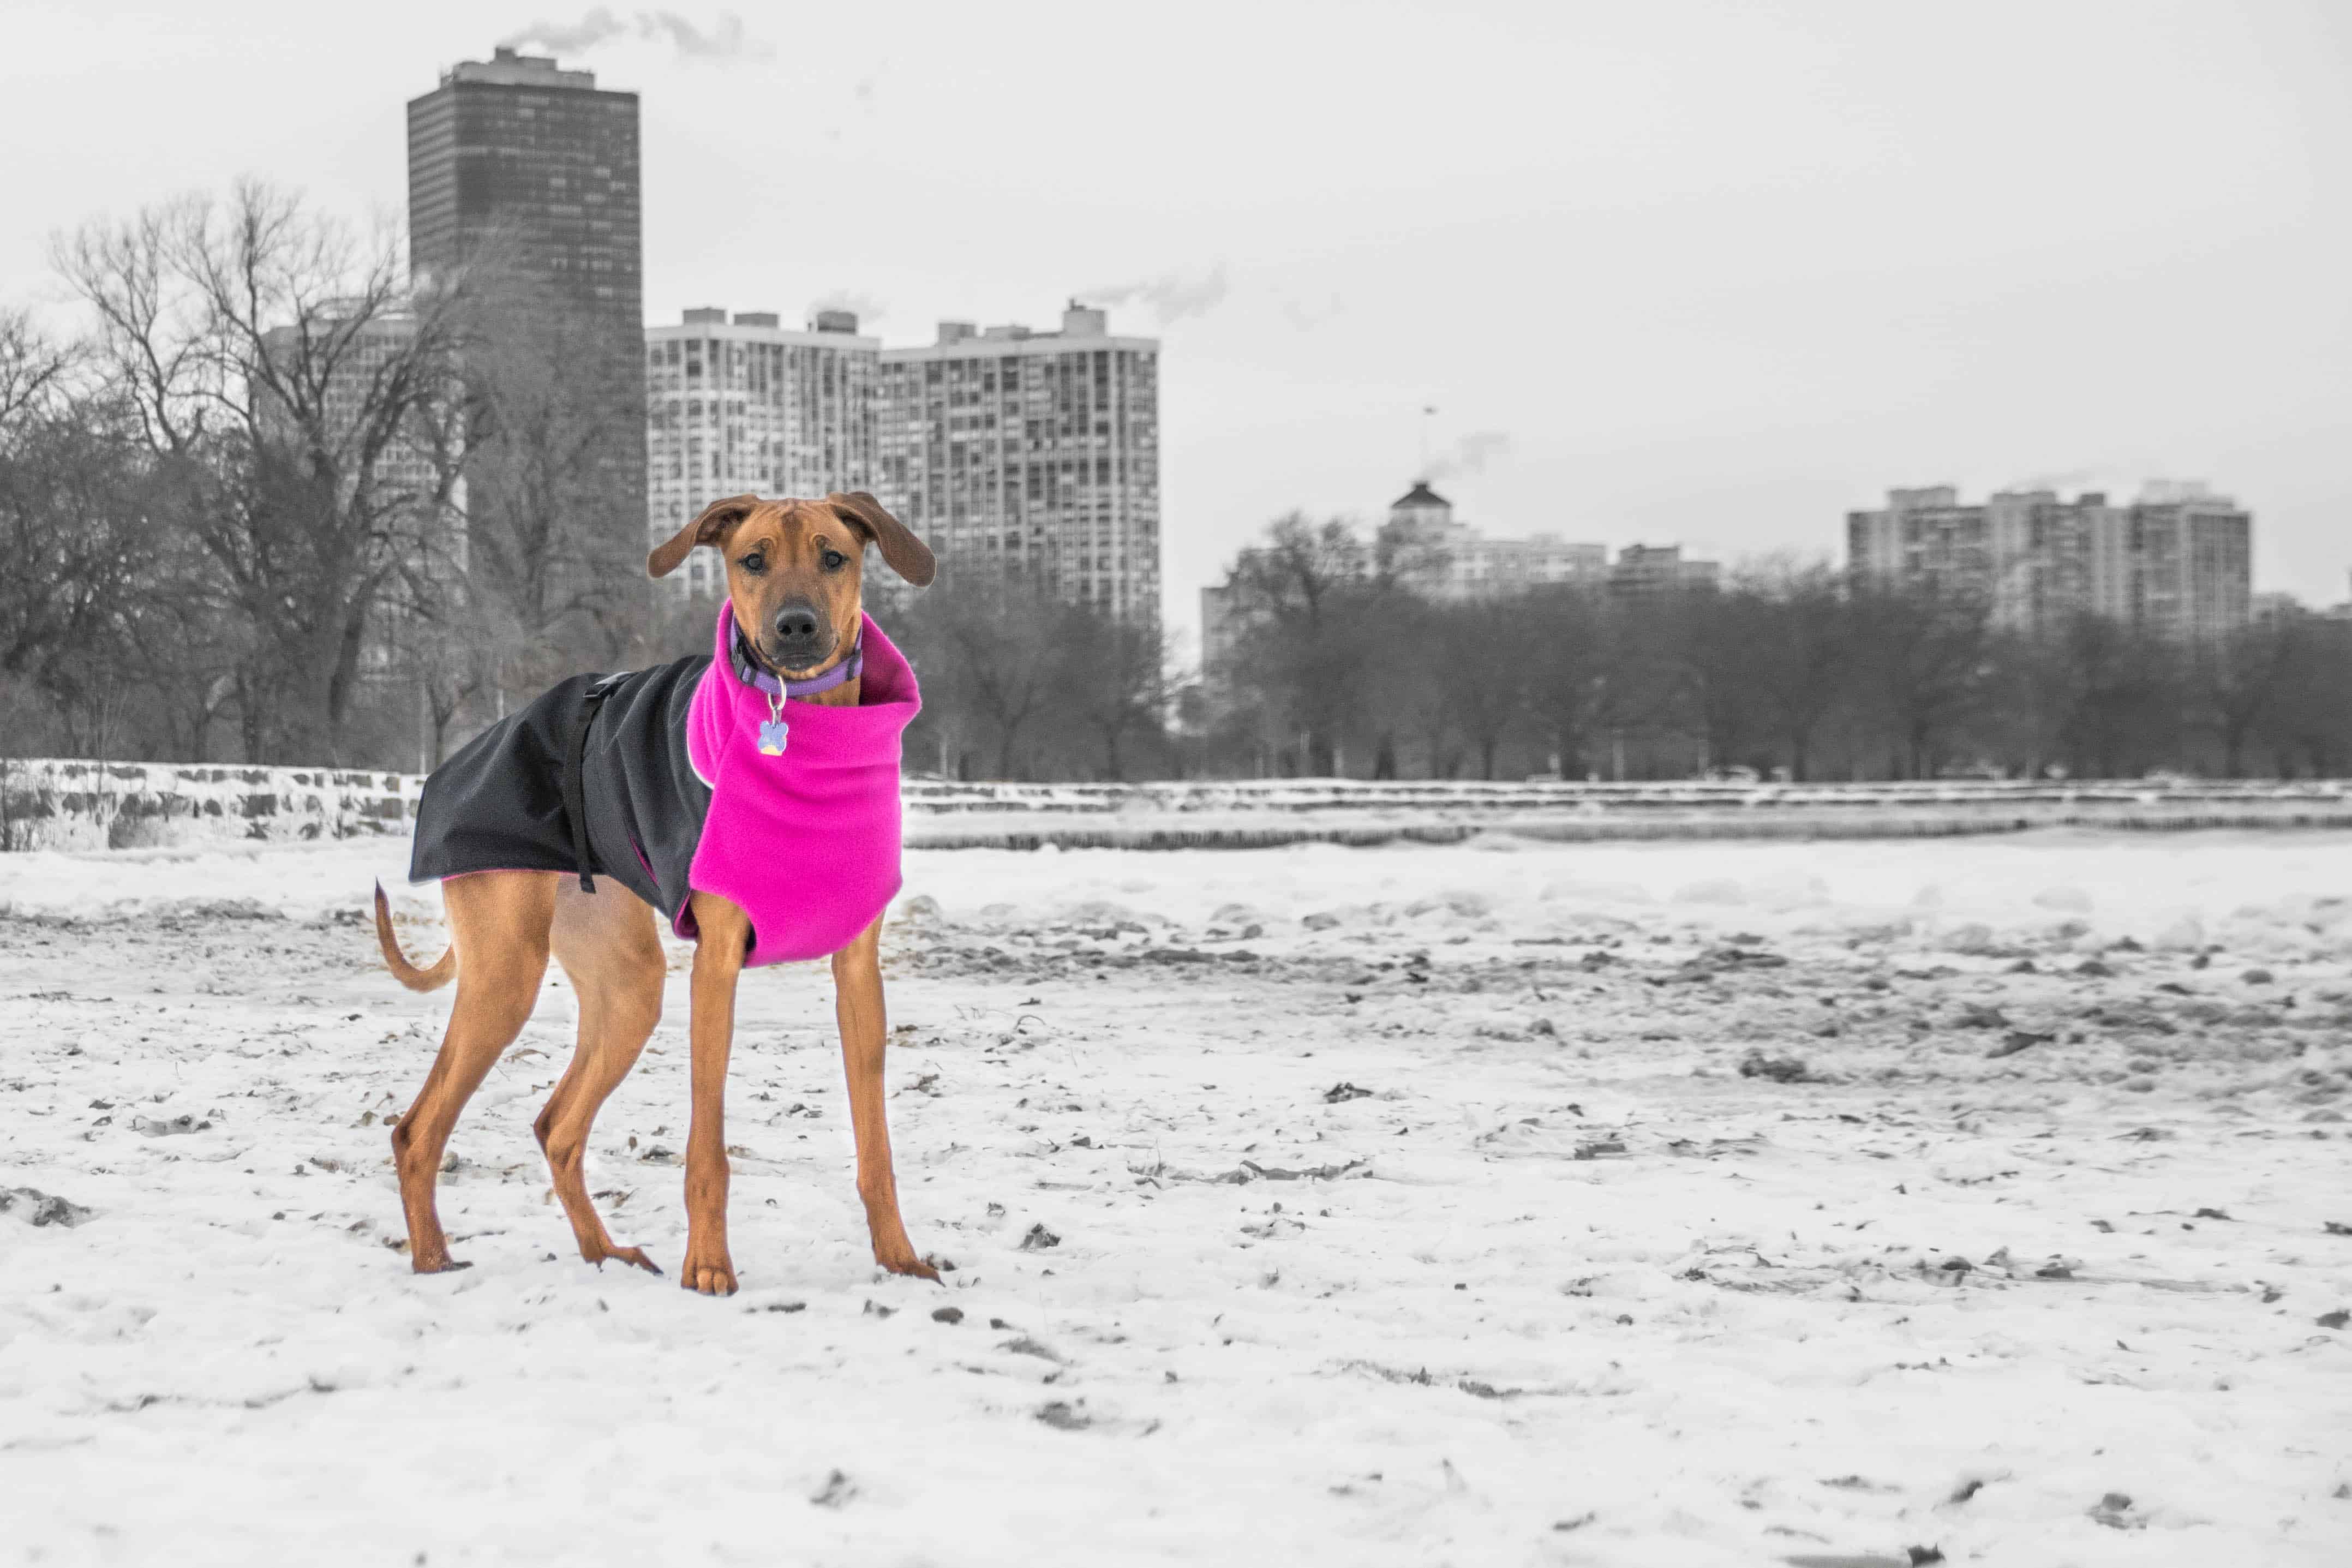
(633, 1255)
(707, 1269)
(919, 1268)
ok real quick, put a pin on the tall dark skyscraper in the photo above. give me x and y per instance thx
(526, 174)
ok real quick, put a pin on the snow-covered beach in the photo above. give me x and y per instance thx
(1646, 1203)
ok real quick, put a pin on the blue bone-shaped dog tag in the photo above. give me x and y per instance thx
(771, 738)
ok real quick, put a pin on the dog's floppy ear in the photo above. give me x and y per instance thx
(710, 528)
(907, 555)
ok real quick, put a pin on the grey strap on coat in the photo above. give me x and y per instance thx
(575, 794)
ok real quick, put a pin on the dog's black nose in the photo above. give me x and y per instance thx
(795, 625)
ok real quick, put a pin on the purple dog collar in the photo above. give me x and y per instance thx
(751, 674)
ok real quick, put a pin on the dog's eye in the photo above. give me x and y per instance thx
(754, 564)
(834, 560)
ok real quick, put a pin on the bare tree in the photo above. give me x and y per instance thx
(1484, 675)
(2107, 696)
(450, 646)
(1929, 656)
(54, 537)
(1643, 698)
(1307, 600)
(2308, 725)
(1798, 650)
(989, 648)
(289, 376)
(33, 371)
(2241, 679)
(1565, 671)
(557, 567)
(1119, 680)
(68, 504)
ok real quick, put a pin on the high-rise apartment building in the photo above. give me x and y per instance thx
(1032, 452)
(2047, 560)
(525, 177)
(1923, 537)
(2176, 562)
(1222, 625)
(2193, 557)
(749, 406)
(540, 157)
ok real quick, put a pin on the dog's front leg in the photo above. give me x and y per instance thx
(722, 935)
(865, 1036)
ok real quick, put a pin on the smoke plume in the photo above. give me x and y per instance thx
(2062, 479)
(1171, 297)
(1469, 454)
(724, 39)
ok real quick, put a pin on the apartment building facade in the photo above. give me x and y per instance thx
(2193, 563)
(1030, 452)
(1923, 537)
(1648, 570)
(746, 405)
(2176, 562)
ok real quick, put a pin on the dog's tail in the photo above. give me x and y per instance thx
(407, 974)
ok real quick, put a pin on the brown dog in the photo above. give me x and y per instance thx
(794, 581)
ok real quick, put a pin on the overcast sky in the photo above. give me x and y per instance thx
(1703, 273)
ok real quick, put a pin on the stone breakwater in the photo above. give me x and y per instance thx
(48, 802)
(67, 803)
(1266, 812)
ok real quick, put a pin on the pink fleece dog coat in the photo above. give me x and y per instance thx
(806, 842)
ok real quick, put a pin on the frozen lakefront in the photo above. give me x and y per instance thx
(1618, 1204)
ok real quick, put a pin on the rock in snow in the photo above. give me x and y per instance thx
(37, 1207)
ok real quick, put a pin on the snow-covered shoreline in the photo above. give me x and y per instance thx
(1575, 1288)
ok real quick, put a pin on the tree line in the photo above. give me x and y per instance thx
(1338, 664)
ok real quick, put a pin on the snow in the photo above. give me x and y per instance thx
(1572, 1288)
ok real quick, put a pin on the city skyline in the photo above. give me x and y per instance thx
(1922, 291)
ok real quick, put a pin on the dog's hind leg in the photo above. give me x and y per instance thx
(499, 921)
(611, 949)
